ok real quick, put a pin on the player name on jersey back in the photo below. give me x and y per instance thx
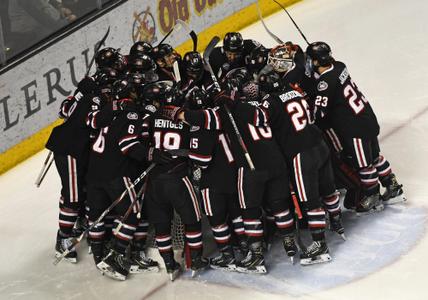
(162, 123)
(289, 95)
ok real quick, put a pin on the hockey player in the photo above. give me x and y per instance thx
(114, 163)
(70, 144)
(140, 48)
(232, 54)
(289, 62)
(165, 57)
(339, 104)
(169, 187)
(210, 150)
(308, 156)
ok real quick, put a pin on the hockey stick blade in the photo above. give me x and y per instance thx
(192, 34)
(210, 47)
(275, 37)
(97, 48)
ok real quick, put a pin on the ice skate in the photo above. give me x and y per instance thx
(199, 264)
(394, 192)
(369, 204)
(336, 225)
(173, 269)
(224, 261)
(254, 262)
(290, 247)
(115, 266)
(142, 264)
(316, 253)
(62, 244)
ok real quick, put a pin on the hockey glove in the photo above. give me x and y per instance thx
(87, 85)
(123, 105)
(172, 113)
(159, 156)
(225, 97)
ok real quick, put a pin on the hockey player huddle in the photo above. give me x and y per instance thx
(273, 133)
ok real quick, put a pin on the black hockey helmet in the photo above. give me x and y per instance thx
(160, 93)
(123, 88)
(165, 55)
(105, 77)
(197, 98)
(269, 82)
(106, 57)
(321, 52)
(142, 64)
(237, 77)
(233, 42)
(193, 64)
(140, 48)
(281, 58)
(257, 59)
(137, 80)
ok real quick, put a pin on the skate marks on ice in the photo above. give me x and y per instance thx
(374, 241)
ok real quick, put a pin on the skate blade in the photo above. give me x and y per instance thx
(376, 209)
(72, 260)
(398, 199)
(315, 260)
(257, 270)
(138, 270)
(89, 250)
(343, 236)
(107, 271)
(231, 268)
(174, 275)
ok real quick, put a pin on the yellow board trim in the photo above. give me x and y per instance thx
(235, 22)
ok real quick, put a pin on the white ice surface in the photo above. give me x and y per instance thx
(384, 43)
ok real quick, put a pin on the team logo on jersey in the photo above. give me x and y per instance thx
(96, 100)
(322, 86)
(132, 116)
(194, 128)
(144, 27)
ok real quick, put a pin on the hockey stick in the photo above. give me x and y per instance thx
(176, 27)
(97, 48)
(292, 20)
(275, 37)
(206, 60)
(45, 168)
(192, 34)
(77, 240)
(128, 211)
(298, 212)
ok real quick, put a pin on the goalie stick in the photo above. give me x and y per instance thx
(77, 240)
(97, 48)
(292, 20)
(275, 37)
(214, 41)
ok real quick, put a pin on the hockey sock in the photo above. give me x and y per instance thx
(98, 232)
(253, 224)
(123, 237)
(109, 223)
(369, 180)
(384, 170)
(140, 234)
(316, 223)
(67, 218)
(194, 238)
(331, 203)
(164, 241)
(221, 235)
(238, 226)
(284, 222)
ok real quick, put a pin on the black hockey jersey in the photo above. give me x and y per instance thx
(343, 107)
(289, 118)
(117, 150)
(211, 150)
(73, 136)
(166, 135)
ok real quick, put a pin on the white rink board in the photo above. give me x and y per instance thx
(31, 93)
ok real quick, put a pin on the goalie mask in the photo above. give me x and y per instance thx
(281, 58)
